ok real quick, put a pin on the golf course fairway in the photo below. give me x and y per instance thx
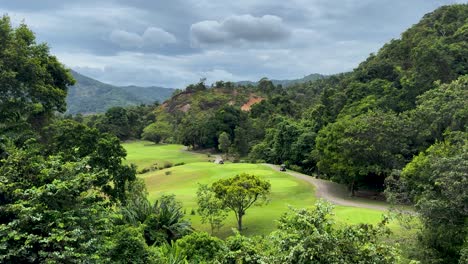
(183, 182)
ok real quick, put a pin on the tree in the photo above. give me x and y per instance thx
(210, 208)
(440, 109)
(157, 132)
(223, 143)
(436, 182)
(75, 141)
(33, 83)
(116, 121)
(239, 193)
(362, 150)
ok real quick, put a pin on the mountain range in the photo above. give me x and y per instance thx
(90, 96)
(286, 83)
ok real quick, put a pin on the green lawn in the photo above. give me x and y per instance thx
(183, 182)
(145, 154)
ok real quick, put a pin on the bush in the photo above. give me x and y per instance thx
(179, 164)
(144, 170)
(167, 164)
(168, 173)
(201, 247)
(129, 246)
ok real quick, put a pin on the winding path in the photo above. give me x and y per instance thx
(332, 192)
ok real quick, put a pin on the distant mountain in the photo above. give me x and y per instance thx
(91, 96)
(286, 83)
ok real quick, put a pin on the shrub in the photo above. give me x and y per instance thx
(179, 164)
(167, 164)
(144, 170)
(168, 173)
(201, 247)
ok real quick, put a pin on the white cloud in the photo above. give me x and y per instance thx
(126, 39)
(152, 37)
(157, 36)
(267, 28)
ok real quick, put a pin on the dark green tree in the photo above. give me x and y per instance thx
(33, 83)
(362, 150)
(436, 182)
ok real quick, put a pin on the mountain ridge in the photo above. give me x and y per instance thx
(89, 95)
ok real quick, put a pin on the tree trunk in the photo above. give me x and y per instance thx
(239, 221)
(351, 189)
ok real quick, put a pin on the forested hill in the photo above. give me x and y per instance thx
(91, 96)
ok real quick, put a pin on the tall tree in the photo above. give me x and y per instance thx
(362, 150)
(33, 83)
(224, 143)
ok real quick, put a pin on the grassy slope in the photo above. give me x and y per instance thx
(144, 154)
(183, 182)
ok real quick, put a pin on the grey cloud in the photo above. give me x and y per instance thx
(240, 28)
(279, 39)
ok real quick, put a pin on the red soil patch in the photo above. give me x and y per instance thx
(252, 101)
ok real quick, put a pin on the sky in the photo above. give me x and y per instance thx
(172, 43)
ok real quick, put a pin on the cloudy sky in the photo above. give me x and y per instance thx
(172, 43)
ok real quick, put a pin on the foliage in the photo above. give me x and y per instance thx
(157, 132)
(242, 249)
(224, 142)
(310, 236)
(436, 181)
(241, 192)
(166, 222)
(129, 246)
(75, 141)
(210, 208)
(201, 247)
(364, 149)
(33, 83)
(50, 209)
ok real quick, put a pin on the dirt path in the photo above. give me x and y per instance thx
(333, 192)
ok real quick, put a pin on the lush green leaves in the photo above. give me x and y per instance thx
(241, 192)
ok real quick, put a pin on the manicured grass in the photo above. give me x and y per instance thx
(286, 191)
(183, 182)
(145, 154)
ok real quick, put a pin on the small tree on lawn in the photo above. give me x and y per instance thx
(241, 192)
(210, 208)
(223, 143)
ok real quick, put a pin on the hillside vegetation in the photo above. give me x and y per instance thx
(89, 96)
